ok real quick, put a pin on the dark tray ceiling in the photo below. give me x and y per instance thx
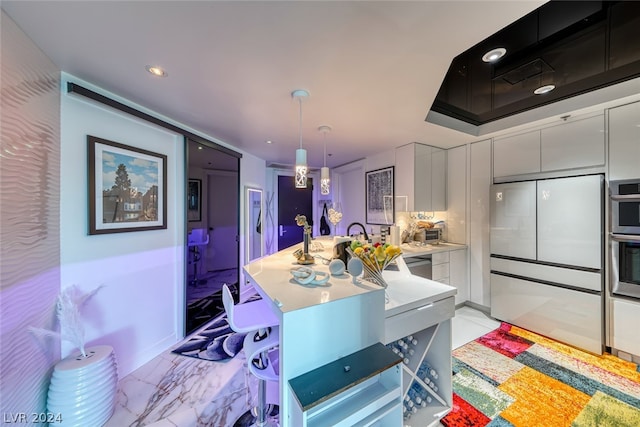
(578, 46)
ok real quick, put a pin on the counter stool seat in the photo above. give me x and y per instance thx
(249, 316)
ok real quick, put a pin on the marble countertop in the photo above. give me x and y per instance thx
(409, 250)
(272, 275)
(405, 291)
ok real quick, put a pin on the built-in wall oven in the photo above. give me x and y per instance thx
(625, 238)
(625, 206)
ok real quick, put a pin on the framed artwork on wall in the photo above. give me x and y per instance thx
(127, 188)
(194, 200)
(379, 196)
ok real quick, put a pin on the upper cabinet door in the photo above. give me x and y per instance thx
(513, 219)
(570, 221)
(624, 142)
(573, 145)
(439, 180)
(404, 178)
(517, 155)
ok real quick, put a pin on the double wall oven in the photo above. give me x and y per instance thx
(625, 238)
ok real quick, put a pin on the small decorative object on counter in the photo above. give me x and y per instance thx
(337, 267)
(304, 258)
(355, 267)
(308, 276)
(375, 258)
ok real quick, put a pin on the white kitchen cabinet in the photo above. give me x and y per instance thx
(457, 195)
(458, 274)
(574, 144)
(624, 142)
(440, 267)
(479, 239)
(626, 318)
(438, 180)
(516, 155)
(420, 177)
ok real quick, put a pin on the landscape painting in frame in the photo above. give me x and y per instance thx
(127, 188)
(379, 195)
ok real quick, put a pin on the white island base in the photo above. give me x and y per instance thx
(321, 324)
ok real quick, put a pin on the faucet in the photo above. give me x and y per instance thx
(366, 236)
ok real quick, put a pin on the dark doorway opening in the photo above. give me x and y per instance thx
(291, 202)
(213, 228)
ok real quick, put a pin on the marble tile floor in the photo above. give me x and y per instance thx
(174, 390)
(469, 324)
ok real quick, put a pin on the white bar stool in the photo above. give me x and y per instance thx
(261, 326)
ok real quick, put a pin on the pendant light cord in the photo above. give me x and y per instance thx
(325, 149)
(300, 124)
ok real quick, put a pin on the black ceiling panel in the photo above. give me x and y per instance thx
(578, 46)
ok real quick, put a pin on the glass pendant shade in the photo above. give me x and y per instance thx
(301, 153)
(301, 168)
(325, 181)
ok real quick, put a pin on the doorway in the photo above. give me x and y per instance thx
(213, 228)
(291, 202)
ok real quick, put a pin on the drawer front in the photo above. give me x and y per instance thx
(569, 316)
(564, 276)
(439, 271)
(412, 321)
(440, 257)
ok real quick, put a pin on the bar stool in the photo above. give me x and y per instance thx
(261, 326)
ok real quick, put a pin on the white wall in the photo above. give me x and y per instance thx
(139, 310)
(349, 189)
(29, 220)
(253, 174)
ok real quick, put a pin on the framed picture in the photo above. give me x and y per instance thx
(127, 188)
(194, 200)
(379, 196)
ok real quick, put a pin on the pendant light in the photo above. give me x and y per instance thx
(301, 153)
(325, 180)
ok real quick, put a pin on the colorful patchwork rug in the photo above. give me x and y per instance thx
(513, 377)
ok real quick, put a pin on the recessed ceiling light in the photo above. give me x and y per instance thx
(269, 142)
(156, 71)
(494, 54)
(544, 89)
(199, 148)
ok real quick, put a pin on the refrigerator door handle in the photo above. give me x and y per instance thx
(626, 198)
(625, 238)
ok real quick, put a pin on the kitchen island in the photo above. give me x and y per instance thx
(320, 324)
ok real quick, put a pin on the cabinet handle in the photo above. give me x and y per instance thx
(425, 306)
(282, 231)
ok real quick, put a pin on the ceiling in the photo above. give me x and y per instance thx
(576, 46)
(372, 68)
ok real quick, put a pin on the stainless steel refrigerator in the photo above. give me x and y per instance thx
(547, 258)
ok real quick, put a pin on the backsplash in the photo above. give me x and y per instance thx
(405, 219)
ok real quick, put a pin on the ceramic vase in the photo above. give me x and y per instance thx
(82, 391)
